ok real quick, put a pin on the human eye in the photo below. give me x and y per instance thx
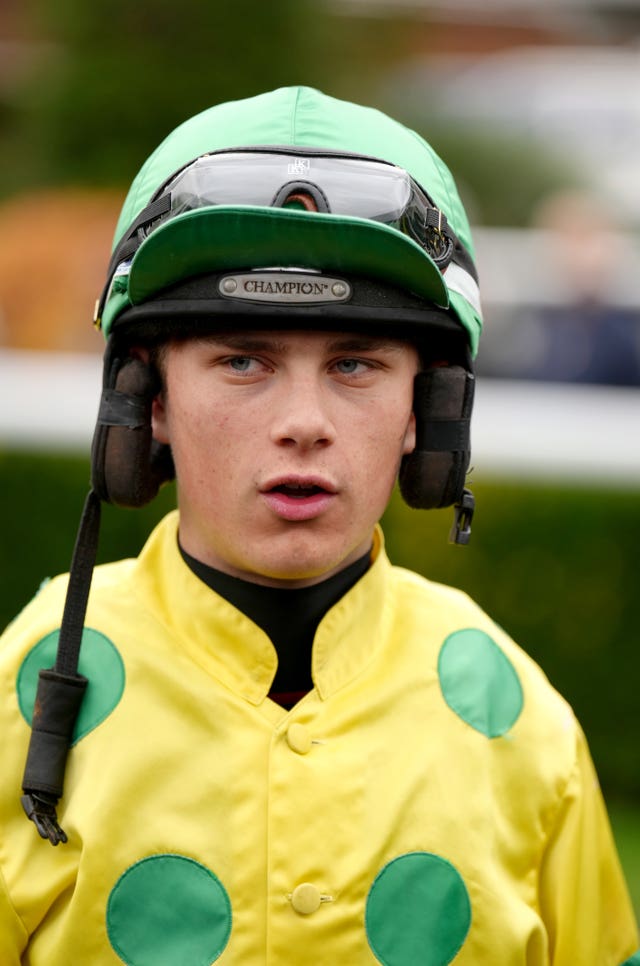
(353, 367)
(243, 366)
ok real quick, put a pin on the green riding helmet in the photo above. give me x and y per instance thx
(293, 179)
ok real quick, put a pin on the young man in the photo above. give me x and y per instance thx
(289, 751)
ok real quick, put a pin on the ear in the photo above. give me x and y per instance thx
(140, 352)
(159, 421)
(409, 442)
(158, 409)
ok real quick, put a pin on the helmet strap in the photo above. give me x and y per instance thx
(61, 689)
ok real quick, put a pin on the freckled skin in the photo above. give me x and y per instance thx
(246, 411)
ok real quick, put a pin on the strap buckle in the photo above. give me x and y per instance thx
(42, 812)
(463, 514)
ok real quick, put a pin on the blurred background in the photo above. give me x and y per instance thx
(536, 109)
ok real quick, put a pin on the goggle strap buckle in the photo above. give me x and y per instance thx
(436, 218)
(463, 514)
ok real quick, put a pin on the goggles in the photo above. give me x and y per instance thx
(332, 184)
(305, 178)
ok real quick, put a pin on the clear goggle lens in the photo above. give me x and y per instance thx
(336, 185)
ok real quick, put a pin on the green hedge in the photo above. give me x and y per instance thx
(41, 499)
(555, 565)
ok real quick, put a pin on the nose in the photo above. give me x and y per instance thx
(302, 418)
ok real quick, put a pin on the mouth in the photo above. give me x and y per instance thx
(298, 491)
(297, 499)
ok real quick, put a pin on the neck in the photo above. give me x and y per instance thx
(289, 616)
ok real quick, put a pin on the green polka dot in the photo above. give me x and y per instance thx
(167, 910)
(418, 911)
(479, 682)
(100, 662)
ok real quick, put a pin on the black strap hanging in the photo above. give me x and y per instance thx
(61, 689)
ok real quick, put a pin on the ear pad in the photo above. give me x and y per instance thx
(127, 465)
(433, 475)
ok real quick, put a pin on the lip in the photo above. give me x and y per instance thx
(296, 507)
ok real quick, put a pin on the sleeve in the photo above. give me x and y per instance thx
(13, 935)
(583, 895)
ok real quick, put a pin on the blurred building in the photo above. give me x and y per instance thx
(54, 248)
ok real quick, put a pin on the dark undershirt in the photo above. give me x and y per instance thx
(289, 617)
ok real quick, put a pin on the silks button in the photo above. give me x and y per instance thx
(306, 898)
(299, 739)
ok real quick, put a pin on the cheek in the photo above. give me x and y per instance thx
(213, 450)
(386, 441)
(393, 428)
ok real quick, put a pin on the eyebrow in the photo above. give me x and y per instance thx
(243, 342)
(257, 342)
(363, 343)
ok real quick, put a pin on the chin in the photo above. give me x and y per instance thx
(300, 567)
(293, 575)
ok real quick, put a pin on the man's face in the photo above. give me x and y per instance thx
(286, 447)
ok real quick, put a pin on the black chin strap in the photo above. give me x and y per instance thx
(61, 689)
